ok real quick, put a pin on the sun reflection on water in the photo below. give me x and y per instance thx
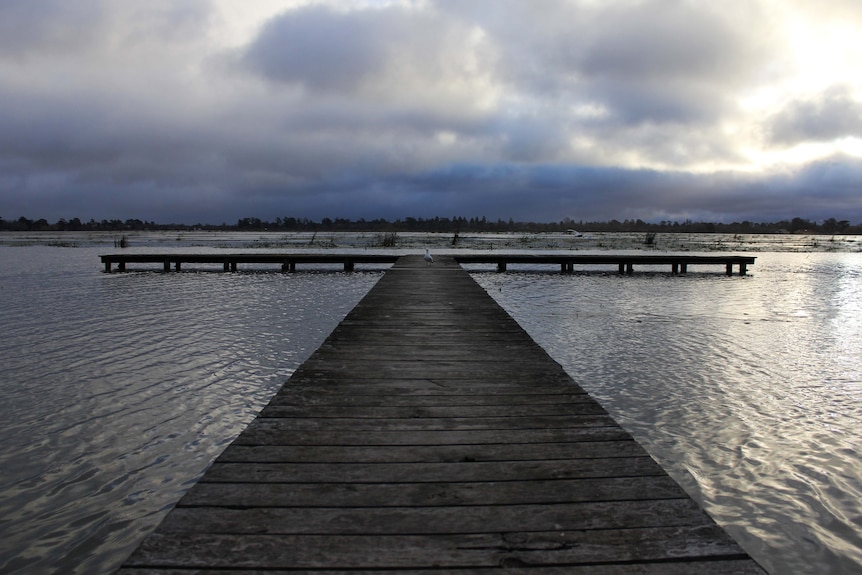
(748, 390)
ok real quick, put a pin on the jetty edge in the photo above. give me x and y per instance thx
(430, 434)
(567, 262)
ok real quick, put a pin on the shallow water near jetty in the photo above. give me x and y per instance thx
(119, 389)
(747, 390)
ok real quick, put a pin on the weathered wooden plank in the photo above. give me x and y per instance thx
(434, 520)
(513, 549)
(483, 412)
(331, 397)
(429, 453)
(429, 332)
(718, 566)
(449, 369)
(484, 329)
(432, 494)
(429, 472)
(385, 353)
(391, 343)
(268, 432)
(596, 419)
(311, 379)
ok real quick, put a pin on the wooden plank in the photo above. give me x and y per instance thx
(331, 397)
(266, 432)
(598, 418)
(492, 384)
(461, 412)
(429, 453)
(430, 434)
(467, 493)
(511, 549)
(423, 431)
(429, 472)
(718, 566)
(434, 520)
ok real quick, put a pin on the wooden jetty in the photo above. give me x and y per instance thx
(624, 262)
(567, 262)
(429, 434)
(231, 261)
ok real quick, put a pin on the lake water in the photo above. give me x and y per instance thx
(119, 389)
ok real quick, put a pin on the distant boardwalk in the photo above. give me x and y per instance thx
(430, 434)
(567, 262)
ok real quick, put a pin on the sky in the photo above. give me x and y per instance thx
(207, 111)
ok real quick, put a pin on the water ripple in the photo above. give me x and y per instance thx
(119, 390)
(747, 390)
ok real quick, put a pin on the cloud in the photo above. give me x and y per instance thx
(320, 48)
(65, 29)
(531, 110)
(648, 61)
(831, 115)
(392, 55)
(49, 26)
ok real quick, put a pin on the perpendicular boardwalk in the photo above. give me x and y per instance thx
(428, 434)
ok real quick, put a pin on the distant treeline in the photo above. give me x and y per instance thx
(445, 225)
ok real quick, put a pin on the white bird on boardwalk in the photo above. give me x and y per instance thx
(428, 258)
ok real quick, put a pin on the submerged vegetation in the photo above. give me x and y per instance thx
(388, 240)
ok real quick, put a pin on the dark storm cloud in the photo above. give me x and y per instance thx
(320, 48)
(387, 52)
(553, 192)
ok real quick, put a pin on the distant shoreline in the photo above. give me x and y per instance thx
(665, 242)
(456, 225)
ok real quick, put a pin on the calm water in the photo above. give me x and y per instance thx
(118, 390)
